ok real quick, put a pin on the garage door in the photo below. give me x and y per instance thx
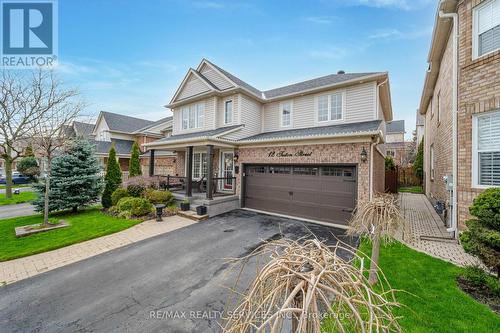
(324, 193)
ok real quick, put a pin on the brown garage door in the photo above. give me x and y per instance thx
(324, 193)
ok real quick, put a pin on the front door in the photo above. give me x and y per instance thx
(227, 171)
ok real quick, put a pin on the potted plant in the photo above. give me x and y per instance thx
(185, 205)
(201, 210)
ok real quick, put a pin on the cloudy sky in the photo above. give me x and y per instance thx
(129, 56)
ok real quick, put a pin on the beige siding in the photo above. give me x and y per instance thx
(360, 101)
(220, 110)
(194, 86)
(250, 117)
(213, 76)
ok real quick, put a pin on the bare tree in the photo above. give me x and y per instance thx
(61, 107)
(21, 105)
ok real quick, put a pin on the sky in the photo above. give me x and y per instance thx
(129, 57)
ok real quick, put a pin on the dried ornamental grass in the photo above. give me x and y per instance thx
(305, 283)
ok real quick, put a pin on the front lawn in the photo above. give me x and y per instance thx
(17, 198)
(437, 304)
(84, 225)
(411, 189)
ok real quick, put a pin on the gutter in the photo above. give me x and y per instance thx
(454, 212)
(372, 145)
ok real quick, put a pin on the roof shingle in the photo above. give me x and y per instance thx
(121, 123)
(395, 126)
(210, 133)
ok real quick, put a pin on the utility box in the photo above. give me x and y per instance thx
(448, 180)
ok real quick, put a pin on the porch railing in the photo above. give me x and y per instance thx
(222, 185)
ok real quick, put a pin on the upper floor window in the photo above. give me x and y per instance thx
(391, 153)
(330, 107)
(228, 112)
(286, 114)
(486, 28)
(104, 136)
(486, 149)
(193, 116)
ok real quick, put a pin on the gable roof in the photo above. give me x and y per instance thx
(203, 134)
(234, 79)
(83, 129)
(395, 126)
(122, 147)
(155, 123)
(121, 123)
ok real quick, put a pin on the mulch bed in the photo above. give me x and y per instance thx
(480, 293)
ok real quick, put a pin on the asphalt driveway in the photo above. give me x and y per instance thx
(170, 283)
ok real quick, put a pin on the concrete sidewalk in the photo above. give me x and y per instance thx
(427, 233)
(22, 268)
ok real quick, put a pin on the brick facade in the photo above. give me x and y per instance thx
(163, 166)
(478, 91)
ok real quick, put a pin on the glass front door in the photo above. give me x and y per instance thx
(227, 171)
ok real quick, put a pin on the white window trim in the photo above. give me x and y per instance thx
(221, 166)
(330, 121)
(201, 163)
(196, 120)
(475, 153)
(232, 111)
(475, 44)
(281, 113)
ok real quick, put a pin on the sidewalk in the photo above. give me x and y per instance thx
(22, 268)
(423, 221)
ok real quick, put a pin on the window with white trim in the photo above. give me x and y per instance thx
(330, 107)
(286, 114)
(486, 149)
(193, 116)
(199, 165)
(486, 28)
(228, 112)
(432, 161)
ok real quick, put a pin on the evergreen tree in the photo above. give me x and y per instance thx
(134, 167)
(28, 151)
(418, 166)
(75, 179)
(113, 177)
(28, 166)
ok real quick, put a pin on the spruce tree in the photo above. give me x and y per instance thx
(134, 167)
(75, 179)
(113, 178)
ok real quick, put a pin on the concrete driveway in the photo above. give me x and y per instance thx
(170, 283)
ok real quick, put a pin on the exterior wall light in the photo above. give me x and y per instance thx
(364, 155)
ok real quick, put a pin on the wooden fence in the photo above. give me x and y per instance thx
(402, 176)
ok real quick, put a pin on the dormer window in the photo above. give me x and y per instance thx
(330, 107)
(228, 112)
(286, 114)
(193, 116)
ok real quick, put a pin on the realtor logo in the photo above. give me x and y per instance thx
(29, 33)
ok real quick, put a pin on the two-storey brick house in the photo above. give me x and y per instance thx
(461, 106)
(308, 149)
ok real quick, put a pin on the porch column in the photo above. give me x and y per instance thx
(151, 163)
(189, 171)
(210, 171)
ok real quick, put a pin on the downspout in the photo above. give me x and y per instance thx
(454, 212)
(372, 145)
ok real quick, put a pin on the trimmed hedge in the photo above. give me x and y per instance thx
(134, 206)
(159, 197)
(118, 194)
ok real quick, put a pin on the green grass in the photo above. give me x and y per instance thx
(2, 187)
(84, 225)
(432, 302)
(17, 198)
(411, 189)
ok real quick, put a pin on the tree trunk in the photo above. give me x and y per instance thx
(8, 176)
(47, 190)
(75, 209)
(372, 278)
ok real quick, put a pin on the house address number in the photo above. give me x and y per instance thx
(283, 153)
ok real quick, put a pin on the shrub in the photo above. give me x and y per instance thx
(134, 166)
(133, 206)
(118, 194)
(159, 197)
(145, 181)
(28, 166)
(389, 163)
(418, 166)
(476, 276)
(483, 235)
(112, 179)
(136, 191)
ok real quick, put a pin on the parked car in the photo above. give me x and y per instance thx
(17, 178)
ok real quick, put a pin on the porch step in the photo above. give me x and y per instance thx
(192, 215)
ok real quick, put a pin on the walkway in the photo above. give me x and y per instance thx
(426, 232)
(22, 268)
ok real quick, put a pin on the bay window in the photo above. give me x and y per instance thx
(486, 28)
(193, 116)
(486, 149)
(330, 107)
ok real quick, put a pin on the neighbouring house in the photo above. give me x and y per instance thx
(309, 149)
(419, 132)
(123, 131)
(395, 145)
(461, 105)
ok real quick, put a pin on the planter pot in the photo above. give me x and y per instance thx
(184, 206)
(201, 210)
